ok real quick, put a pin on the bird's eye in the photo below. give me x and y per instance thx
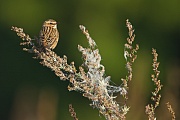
(52, 23)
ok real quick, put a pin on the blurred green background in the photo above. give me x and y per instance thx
(30, 91)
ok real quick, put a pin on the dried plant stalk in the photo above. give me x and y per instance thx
(93, 83)
(170, 109)
(72, 112)
(130, 56)
(150, 108)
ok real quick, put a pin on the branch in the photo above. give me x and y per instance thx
(94, 84)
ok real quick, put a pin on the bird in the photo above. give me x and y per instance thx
(49, 35)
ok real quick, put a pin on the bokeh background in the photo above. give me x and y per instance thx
(29, 91)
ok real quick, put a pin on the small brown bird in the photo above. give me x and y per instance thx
(49, 35)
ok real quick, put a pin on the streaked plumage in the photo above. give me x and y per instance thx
(49, 35)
